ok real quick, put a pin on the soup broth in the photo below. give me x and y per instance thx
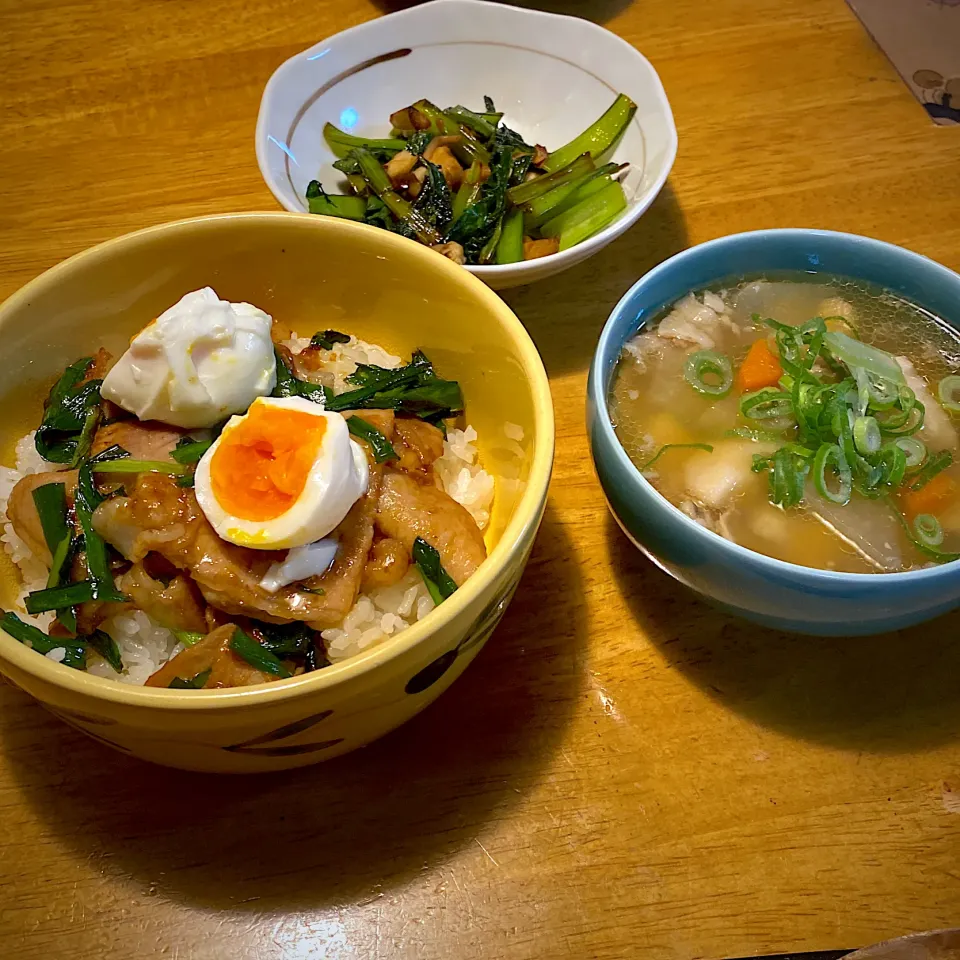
(772, 412)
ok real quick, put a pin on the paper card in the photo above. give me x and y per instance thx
(922, 40)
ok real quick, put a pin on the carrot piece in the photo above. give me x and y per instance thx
(760, 368)
(932, 497)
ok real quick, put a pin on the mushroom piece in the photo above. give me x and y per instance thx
(452, 251)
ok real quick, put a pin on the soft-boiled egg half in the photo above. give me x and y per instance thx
(283, 475)
(197, 363)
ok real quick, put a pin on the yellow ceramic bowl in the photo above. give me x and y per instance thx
(310, 273)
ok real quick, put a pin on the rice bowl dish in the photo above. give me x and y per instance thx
(301, 563)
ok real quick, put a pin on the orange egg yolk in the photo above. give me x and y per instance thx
(261, 466)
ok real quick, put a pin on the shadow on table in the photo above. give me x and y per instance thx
(892, 693)
(565, 314)
(346, 830)
(600, 11)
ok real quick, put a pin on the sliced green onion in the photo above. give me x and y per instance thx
(708, 363)
(54, 598)
(59, 560)
(107, 647)
(934, 465)
(244, 646)
(188, 637)
(893, 462)
(948, 390)
(86, 500)
(927, 530)
(675, 446)
(382, 448)
(190, 451)
(766, 404)
(940, 556)
(439, 583)
(74, 648)
(856, 353)
(914, 449)
(193, 683)
(326, 339)
(129, 465)
(787, 478)
(51, 503)
(831, 456)
(866, 435)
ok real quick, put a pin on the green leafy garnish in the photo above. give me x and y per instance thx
(75, 650)
(129, 465)
(55, 598)
(325, 339)
(936, 463)
(243, 645)
(70, 416)
(289, 386)
(193, 683)
(382, 448)
(440, 584)
(414, 389)
(675, 446)
(188, 450)
(51, 503)
(188, 637)
(86, 500)
(107, 647)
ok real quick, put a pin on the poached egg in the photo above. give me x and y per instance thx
(197, 363)
(283, 475)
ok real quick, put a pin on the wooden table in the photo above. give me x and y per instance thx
(624, 772)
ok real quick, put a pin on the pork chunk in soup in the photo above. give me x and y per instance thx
(809, 420)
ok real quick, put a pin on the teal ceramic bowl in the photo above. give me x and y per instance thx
(757, 587)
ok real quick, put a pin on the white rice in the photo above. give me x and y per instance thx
(145, 647)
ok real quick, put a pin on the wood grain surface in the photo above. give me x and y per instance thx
(624, 772)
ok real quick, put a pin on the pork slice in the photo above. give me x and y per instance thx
(22, 511)
(418, 445)
(143, 439)
(177, 605)
(408, 510)
(212, 653)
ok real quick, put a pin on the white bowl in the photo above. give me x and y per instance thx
(551, 75)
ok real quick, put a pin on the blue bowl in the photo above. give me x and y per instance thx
(757, 587)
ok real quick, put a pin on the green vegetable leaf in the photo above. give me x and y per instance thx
(327, 338)
(193, 683)
(55, 598)
(188, 638)
(51, 503)
(439, 583)
(86, 500)
(107, 647)
(289, 386)
(382, 448)
(675, 446)
(70, 416)
(188, 450)
(74, 647)
(285, 640)
(414, 389)
(434, 201)
(243, 645)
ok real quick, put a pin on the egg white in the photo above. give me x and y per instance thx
(200, 361)
(338, 478)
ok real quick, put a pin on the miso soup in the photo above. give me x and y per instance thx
(809, 419)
